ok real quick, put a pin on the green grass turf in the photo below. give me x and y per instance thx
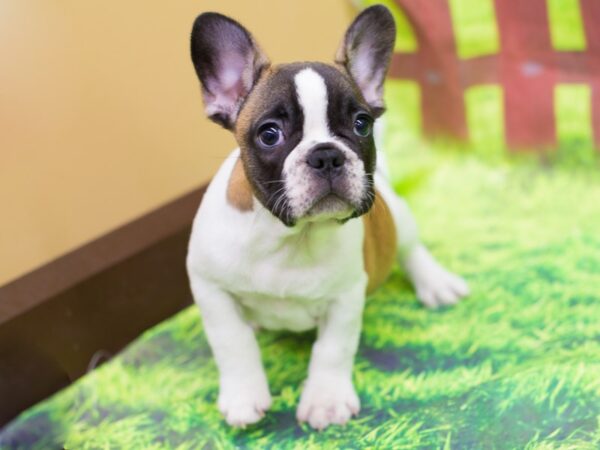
(514, 366)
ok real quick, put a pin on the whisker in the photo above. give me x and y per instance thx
(274, 181)
(275, 194)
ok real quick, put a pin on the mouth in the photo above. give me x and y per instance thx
(330, 206)
(316, 199)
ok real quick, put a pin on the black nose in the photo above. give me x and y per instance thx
(326, 161)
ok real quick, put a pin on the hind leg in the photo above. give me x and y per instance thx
(435, 286)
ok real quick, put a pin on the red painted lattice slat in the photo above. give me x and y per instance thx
(527, 77)
(435, 67)
(590, 12)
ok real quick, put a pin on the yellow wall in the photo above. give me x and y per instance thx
(100, 111)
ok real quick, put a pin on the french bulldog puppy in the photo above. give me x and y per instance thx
(299, 224)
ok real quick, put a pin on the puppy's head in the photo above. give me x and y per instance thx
(304, 129)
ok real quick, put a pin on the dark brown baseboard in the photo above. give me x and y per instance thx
(60, 319)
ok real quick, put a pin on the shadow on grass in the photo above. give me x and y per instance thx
(419, 358)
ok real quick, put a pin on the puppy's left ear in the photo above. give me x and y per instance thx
(366, 51)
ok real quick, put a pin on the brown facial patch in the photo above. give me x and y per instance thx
(379, 244)
(272, 100)
(252, 107)
(239, 192)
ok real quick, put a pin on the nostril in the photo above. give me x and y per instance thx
(338, 160)
(315, 161)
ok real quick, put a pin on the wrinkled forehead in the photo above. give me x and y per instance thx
(300, 92)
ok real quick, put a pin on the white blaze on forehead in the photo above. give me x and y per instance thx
(312, 96)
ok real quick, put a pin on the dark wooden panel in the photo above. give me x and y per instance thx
(91, 302)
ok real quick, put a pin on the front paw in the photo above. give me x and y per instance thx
(327, 401)
(242, 402)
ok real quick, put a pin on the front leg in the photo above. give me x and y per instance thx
(329, 396)
(243, 391)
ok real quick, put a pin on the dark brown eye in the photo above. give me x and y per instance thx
(270, 135)
(363, 125)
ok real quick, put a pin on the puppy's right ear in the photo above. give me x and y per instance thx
(366, 51)
(228, 63)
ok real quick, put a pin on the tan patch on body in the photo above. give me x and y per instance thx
(379, 246)
(239, 191)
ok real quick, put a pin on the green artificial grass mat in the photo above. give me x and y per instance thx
(514, 366)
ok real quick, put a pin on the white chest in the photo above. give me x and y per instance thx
(280, 279)
(292, 291)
